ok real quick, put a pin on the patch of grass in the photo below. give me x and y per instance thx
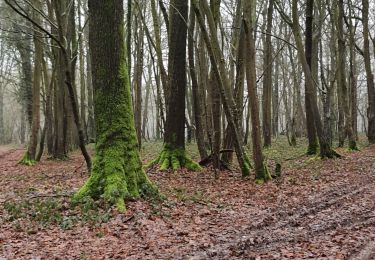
(281, 150)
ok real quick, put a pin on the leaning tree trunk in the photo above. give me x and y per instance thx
(214, 93)
(195, 89)
(219, 68)
(238, 51)
(325, 147)
(117, 172)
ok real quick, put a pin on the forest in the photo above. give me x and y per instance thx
(187, 129)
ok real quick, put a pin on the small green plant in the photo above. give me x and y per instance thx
(46, 212)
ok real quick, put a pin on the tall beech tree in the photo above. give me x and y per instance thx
(117, 171)
(174, 155)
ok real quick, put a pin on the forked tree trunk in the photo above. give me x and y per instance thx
(214, 93)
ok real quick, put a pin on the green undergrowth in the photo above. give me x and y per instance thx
(281, 150)
(34, 214)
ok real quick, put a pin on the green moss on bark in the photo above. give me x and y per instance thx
(312, 149)
(174, 159)
(353, 146)
(26, 160)
(263, 175)
(117, 173)
(246, 167)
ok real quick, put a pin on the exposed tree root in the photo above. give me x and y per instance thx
(263, 175)
(175, 159)
(26, 160)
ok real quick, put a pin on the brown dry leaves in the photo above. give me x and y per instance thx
(317, 209)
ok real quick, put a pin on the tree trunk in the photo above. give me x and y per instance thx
(238, 92)
(348, 129)
(325, 148)
(214, 93)
(159, 54)
(261, 170)
(198, 109)
(147, 100)
(369, 74)
(310, 88)
(117, 173)
(173, 155)
(138, 85)
(267, 79)
(30, 157)
(218, 65)
(353, 76)
(82, 75)
(68, 65)
(2, 129)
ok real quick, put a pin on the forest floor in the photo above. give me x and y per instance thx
(321, 209)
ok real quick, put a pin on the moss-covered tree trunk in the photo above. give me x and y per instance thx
(173, 155)
(117, 171)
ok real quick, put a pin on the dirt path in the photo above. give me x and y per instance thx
(323, 210)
